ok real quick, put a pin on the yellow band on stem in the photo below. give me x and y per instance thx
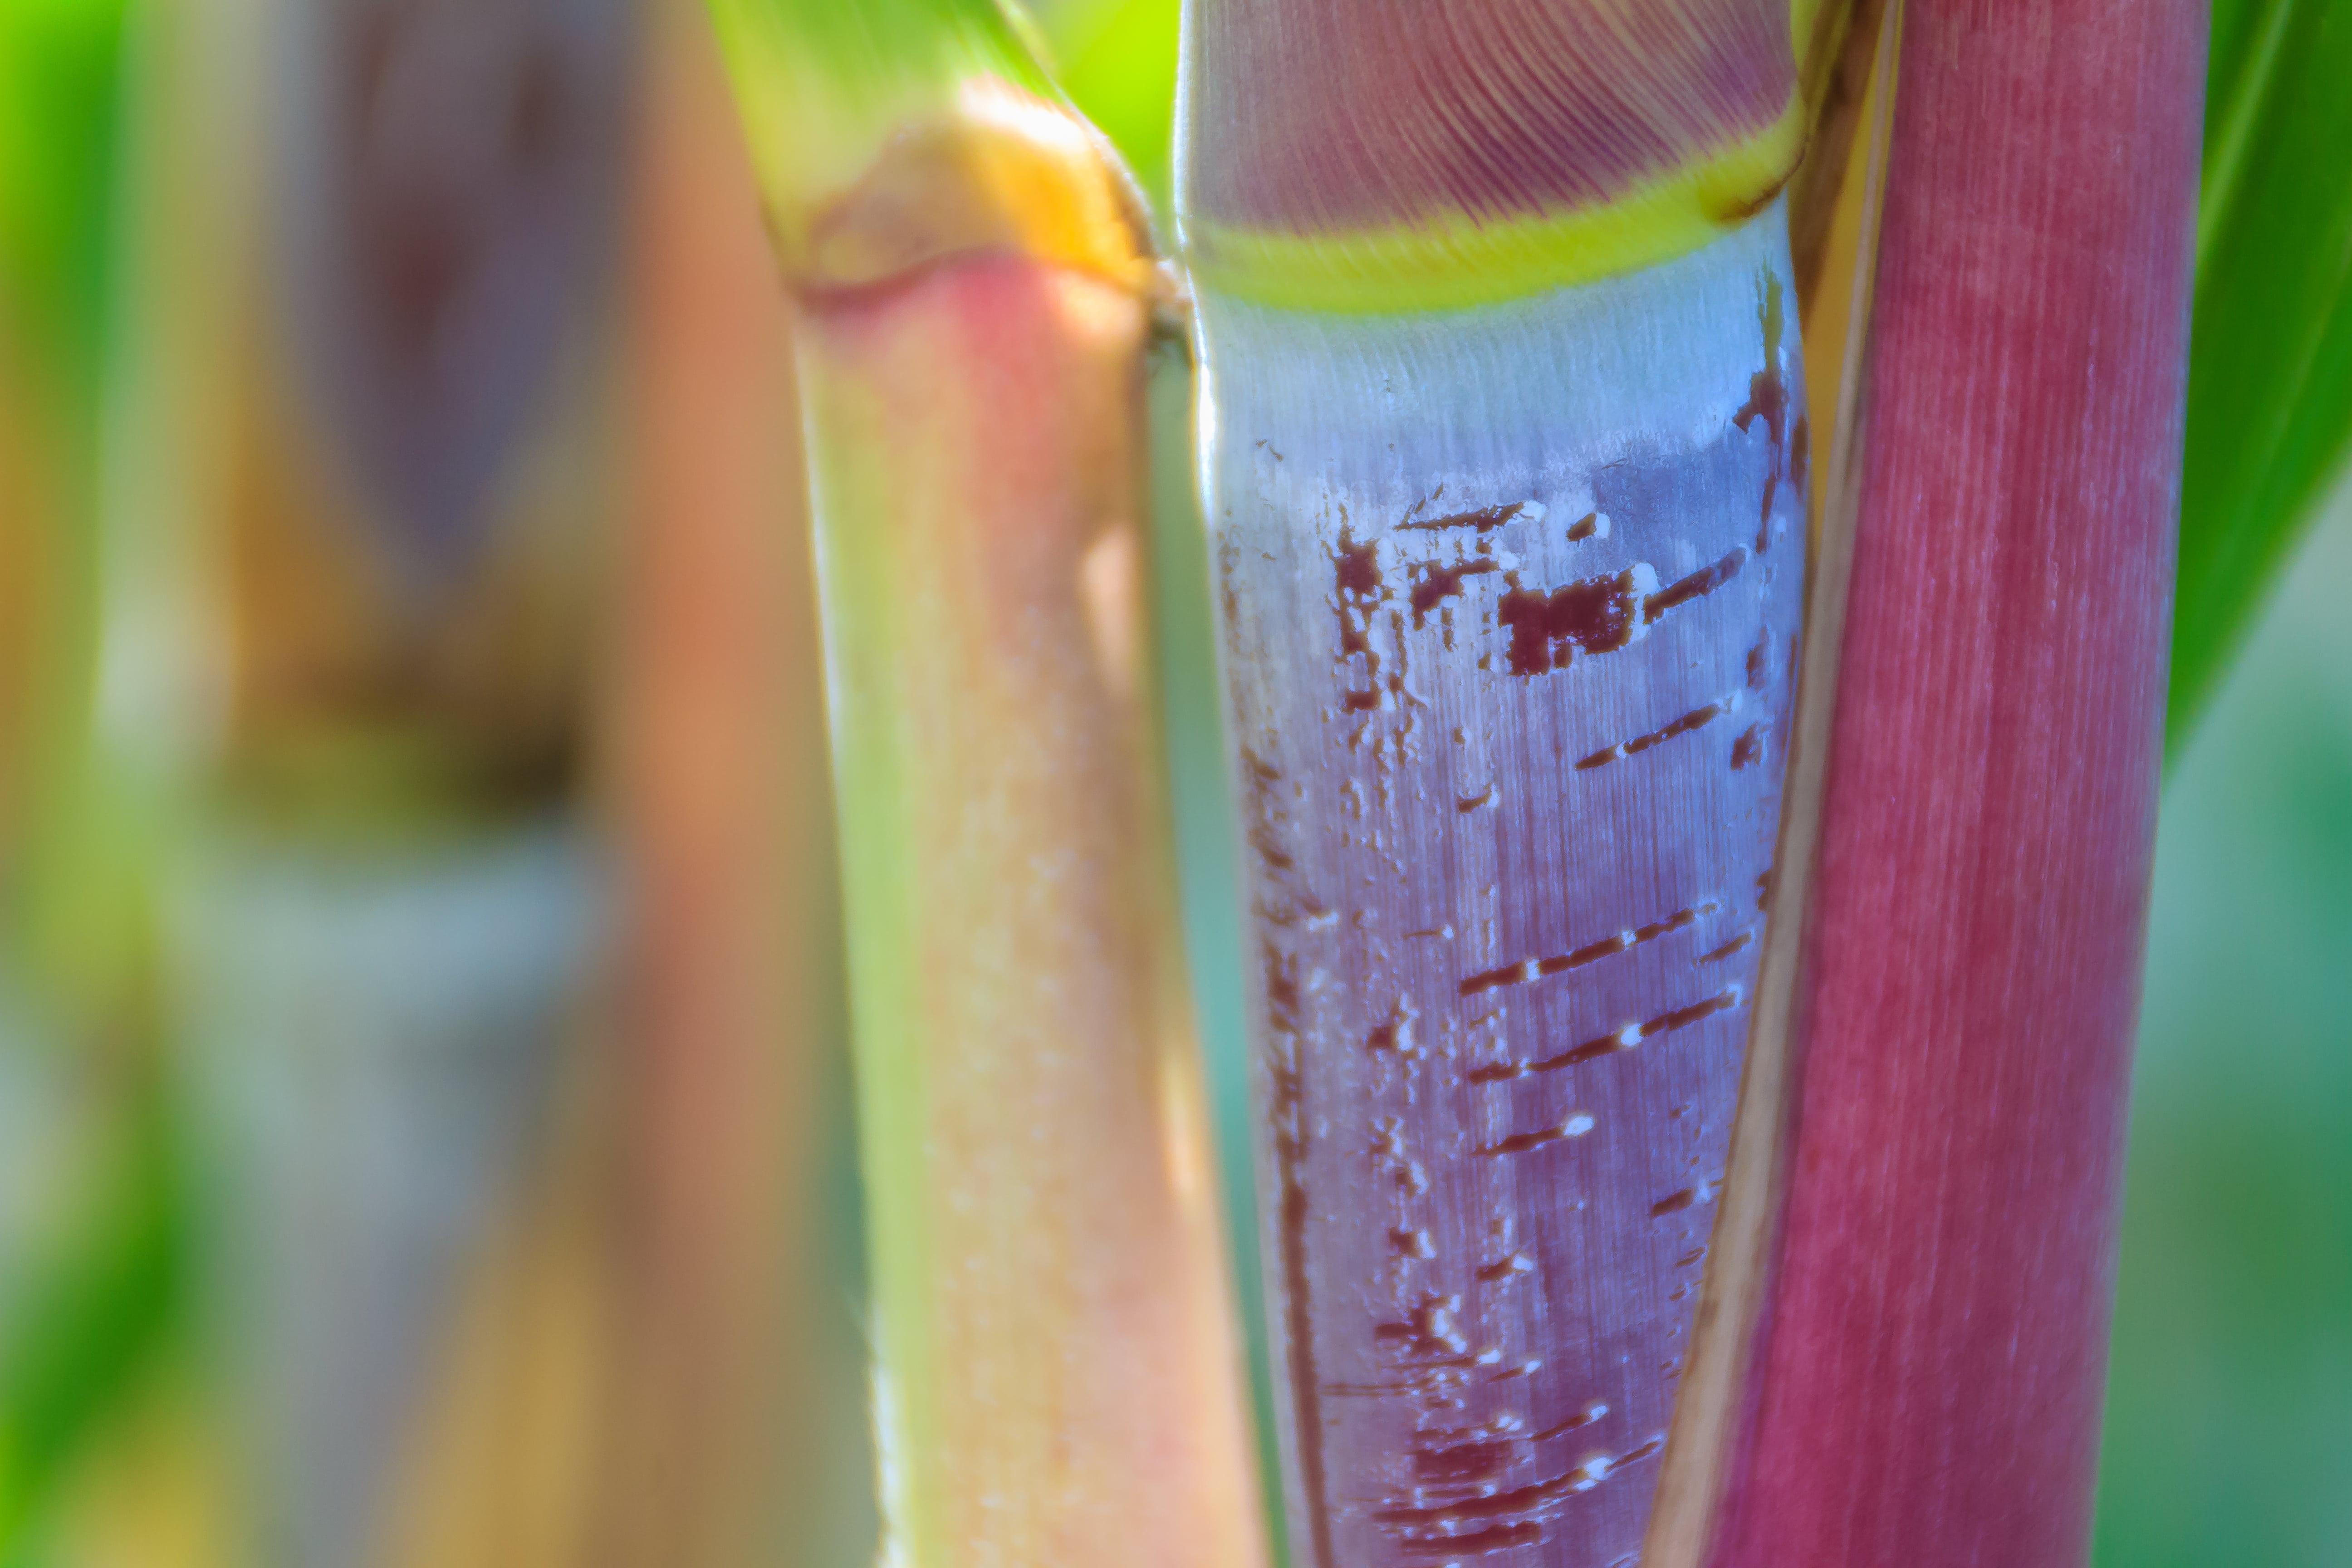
(1457, 261)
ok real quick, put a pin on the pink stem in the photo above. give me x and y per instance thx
(1928, 1387)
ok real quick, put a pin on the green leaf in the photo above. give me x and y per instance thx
(2270, 382)
(97, 1314)
(1117, 59)
(58, 75)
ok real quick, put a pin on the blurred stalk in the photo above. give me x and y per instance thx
(738, 1431)
(360, 460)
(1055, 1379)
(1505, 451)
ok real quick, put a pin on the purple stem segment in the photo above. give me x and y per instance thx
(1510, 606)
(1929, 1389)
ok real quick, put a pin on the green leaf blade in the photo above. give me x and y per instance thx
(2270, 388)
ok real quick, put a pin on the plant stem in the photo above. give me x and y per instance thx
(1055, 1368)
(1929, 1389)
(1510, 678)
(1504, 450)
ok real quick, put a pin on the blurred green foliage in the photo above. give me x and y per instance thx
(2269, 382)
(1117, 59)
(2229, 1436)
(101, 1310)
(58, 80)
(91, 1297)
(875, 36)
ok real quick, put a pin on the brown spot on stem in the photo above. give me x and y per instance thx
(1577, 1125)
(1395, 1032)
(1597, 615)
(1262, 780)
(1485, 520)
(1768, 395)
(1462, 1464)
(1478, 1543)
(1356, 579)
(1748, 750)
(1357, 568)
(1526, 1504)
(1717, 955)
(1624, 1040)
(1697, 585)
(1433, 584)
(1509, 1268)
(1698, 718)
(1591, 953)
(1675, 1203)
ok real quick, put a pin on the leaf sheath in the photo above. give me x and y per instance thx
(1929, 1389)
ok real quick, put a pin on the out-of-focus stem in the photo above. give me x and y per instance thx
(740, 1401)
(363, 422)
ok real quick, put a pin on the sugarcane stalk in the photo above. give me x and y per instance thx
(1504, 451)
(1928, 1386)
(1055, 1376)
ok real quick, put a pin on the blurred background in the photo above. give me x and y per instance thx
(423, 1128)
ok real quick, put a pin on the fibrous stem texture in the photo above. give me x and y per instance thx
(1929, 1387)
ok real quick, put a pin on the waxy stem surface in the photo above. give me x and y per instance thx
(1509, 602)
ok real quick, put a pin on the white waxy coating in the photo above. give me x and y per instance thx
(1509, 604)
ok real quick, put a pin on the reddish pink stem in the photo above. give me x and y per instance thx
(1929, 1385)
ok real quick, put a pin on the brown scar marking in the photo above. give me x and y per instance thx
(1485, 519)
(1591, 953)
(1624, 1040)
(1717, 954)
(1697, 718)
(1697, 585)
(1433, 584)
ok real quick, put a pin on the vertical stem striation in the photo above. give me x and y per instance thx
(1509, 607)
(1929, 1387)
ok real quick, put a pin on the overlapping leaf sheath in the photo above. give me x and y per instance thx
(1505, 456)
(1929, 1388)
(1057, 1377)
